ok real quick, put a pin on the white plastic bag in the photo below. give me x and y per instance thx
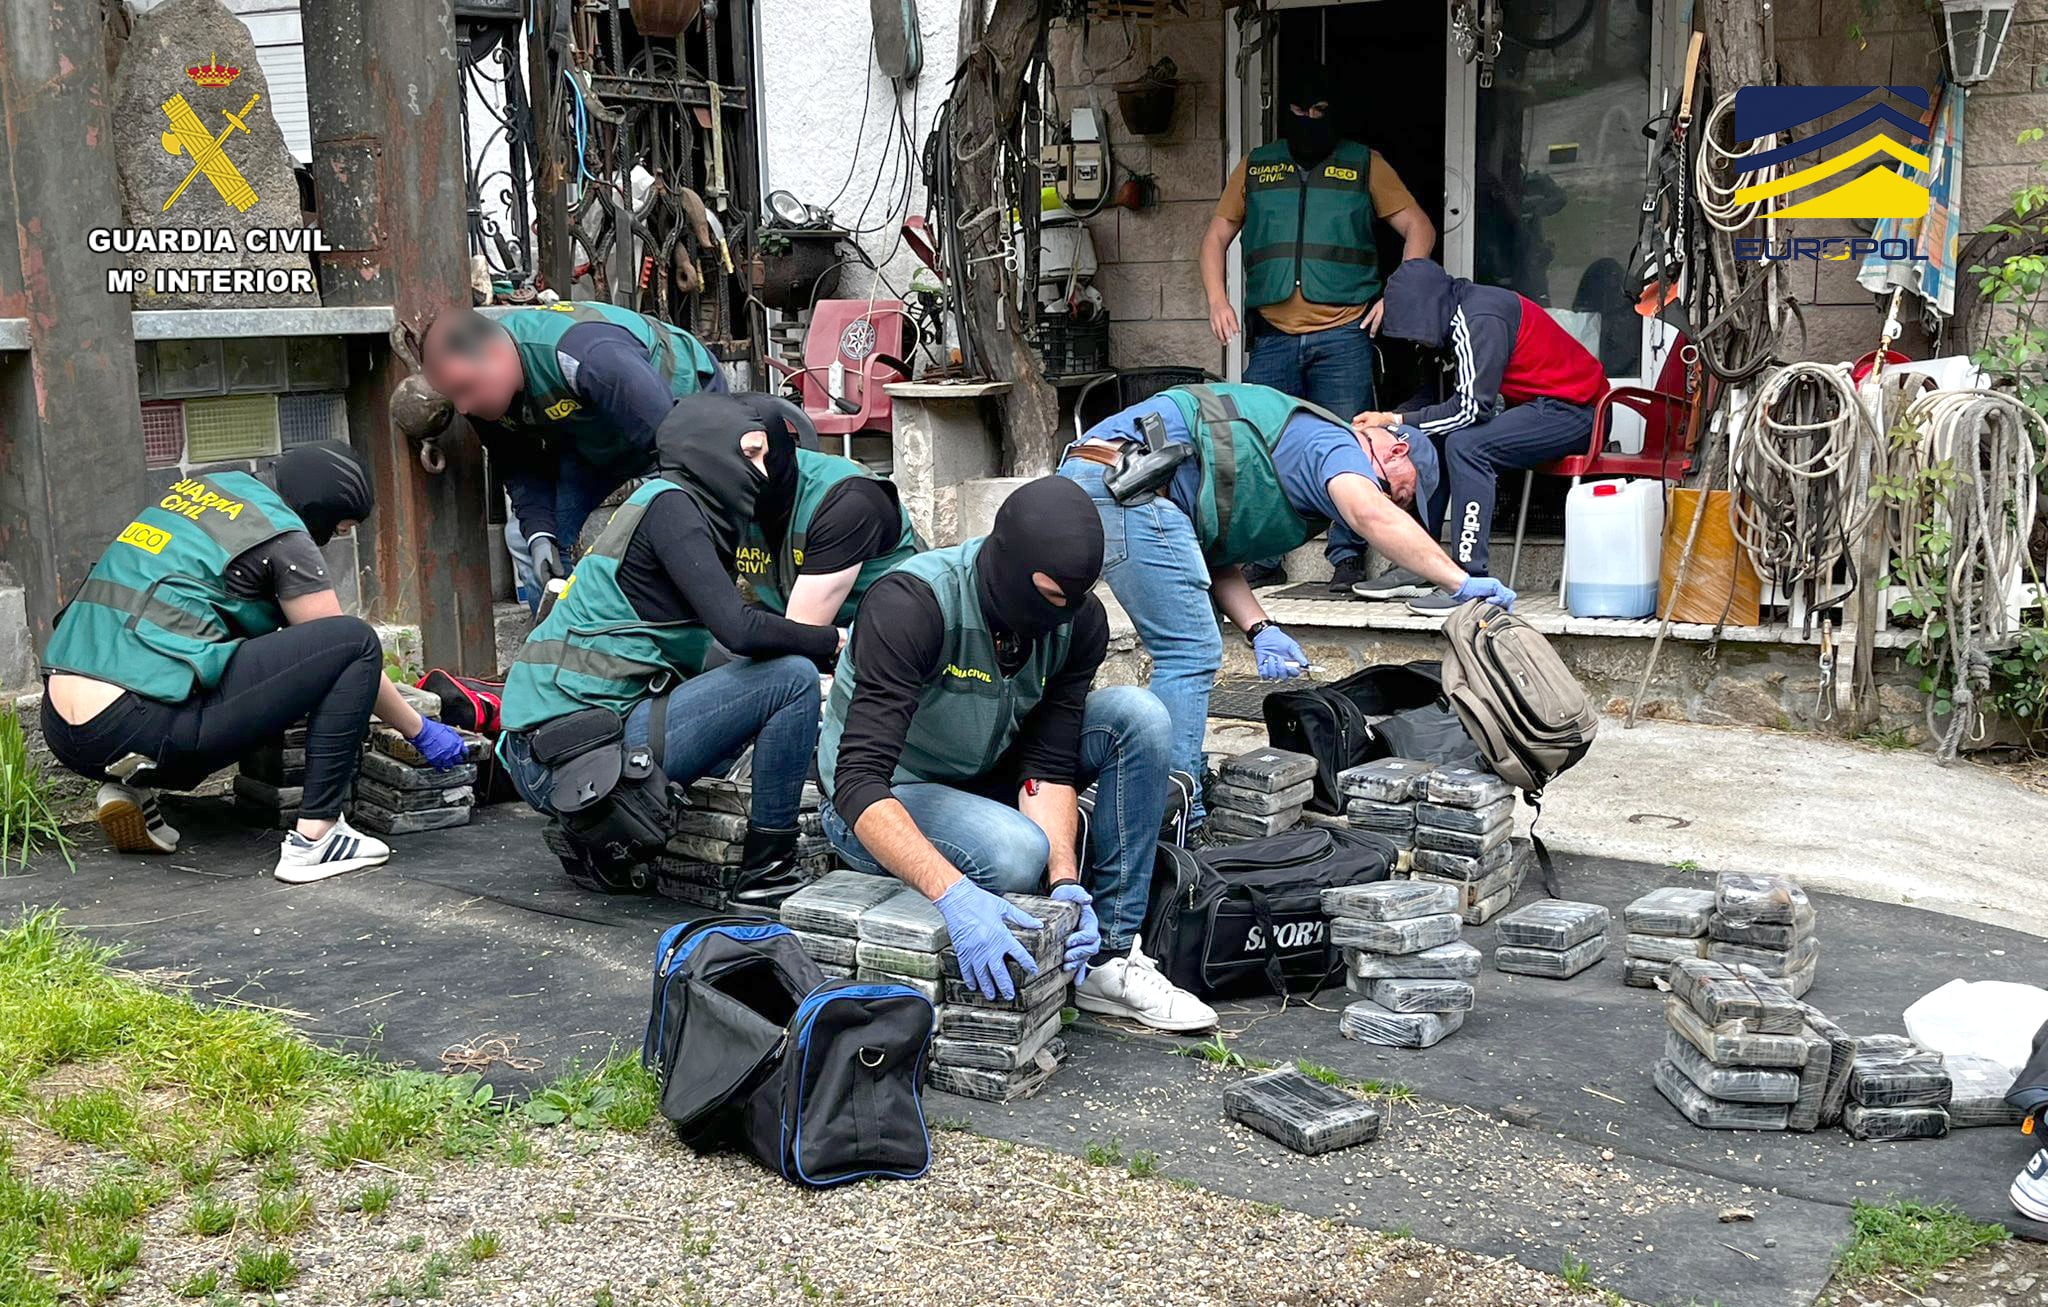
(1988, 1018)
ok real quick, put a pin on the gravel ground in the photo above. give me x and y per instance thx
(653, 1223)
(2010, 1275)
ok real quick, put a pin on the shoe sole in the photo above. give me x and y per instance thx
(128, 829)
(326, 870)
(2025, 1205)
(1106, 1007)
(1398, 592)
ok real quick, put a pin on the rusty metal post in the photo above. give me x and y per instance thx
(552, 245)
(71, 463)
(384, 90)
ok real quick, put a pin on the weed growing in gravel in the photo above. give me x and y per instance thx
(956, 1124)
(100, 1117)
(201, 1285)
(480, 1246)
(197, 1171)
(264, 1270)
(282, 1214)
(1391, 1090)
(372, 1200)
(1214, 1050)
(1686, 864)
(209, 1216)
(279, 1174)
(619, 1095)
(1101, 1154)
(120, 1198)
(413, 1243)
(1143, 1166)
(1575, 1273)
(1911, 1238)
(252, 1136)
(399, 1109)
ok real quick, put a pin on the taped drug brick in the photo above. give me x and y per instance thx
(1675, 910)
(1369, 1023)
(1894, 1124)
(993, 1055)
(826, 950)
(1388, 780)
(1746, 897)
(1239, 799)
(1408, 935)
(1460, 866)
(1731, 1084)
(1389, 900)
(1267, 770)
(1770, 961)
(1413, 994)
(386, 770)
(1662, 949)
(1465, 843)
(1730, 1045)
(1550, 963)
(1470, 820)
(1000, 1086)
(1301, 1114)
(1249, 826)
(906, 919)
(1710, 1113)
(1552, 924)
(1456, 960)
(1464, 787)
(1373, 815)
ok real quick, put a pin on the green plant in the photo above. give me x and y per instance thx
(480, 1246)
(277, 1174)
(281, 1214)
(772, 242)
(252, 1136)
(209, 1216)
(264, 1270)
(120, 1198)
(201, 1285)
(28, 818)
(1101, 1154)
(1686, 864)
(371, 1200)
(1214, 1050)
(1143, 1166)
(1575, 1273)
(1909, 1240)
(619, 1094)
(100, 1117)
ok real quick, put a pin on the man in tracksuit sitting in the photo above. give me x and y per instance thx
(1521, 395)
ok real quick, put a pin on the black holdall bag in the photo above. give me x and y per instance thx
(1395, 710)
(1173, 826)
(1248, 918)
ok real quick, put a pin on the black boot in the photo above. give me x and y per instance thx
(1347, 574)
(768, 871)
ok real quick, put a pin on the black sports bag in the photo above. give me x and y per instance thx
(1248, 918)
(1396, 710)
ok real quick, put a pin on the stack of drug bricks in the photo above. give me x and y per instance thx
(702, 861)
(1403, 955)
(1259, 792)
(1663, 926)
(397, 793)
(1552, 938)
(270, 781)
(1897, 1090)
(1464, 836)
(882, 930)
(1766, 922)
(1380, 797)
(1742, 1054)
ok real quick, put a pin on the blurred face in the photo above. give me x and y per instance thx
(482, 382)
(1389, 451)
(754, 444)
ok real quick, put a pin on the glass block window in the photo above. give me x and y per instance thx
(163, 434)
(253, 366)
(305, 419)
(188, 367)
(316, 363)
(237, 426)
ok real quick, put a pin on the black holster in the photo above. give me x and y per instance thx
(613, 800)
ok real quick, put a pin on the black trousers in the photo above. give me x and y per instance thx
(324, 671)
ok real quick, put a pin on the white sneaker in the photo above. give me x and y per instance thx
(132, 820)
(2029, 1192)
(1135, 989)
(301, 861)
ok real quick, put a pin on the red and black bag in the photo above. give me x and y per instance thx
(469, 703)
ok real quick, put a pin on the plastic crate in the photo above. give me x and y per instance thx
(145, 370)
(185, 368)
(305, 419)
(1069, 347)
(163, 434)
(316, 363)
(238, 426)
(253, 366)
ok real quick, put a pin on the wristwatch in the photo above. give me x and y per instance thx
(1251, 632)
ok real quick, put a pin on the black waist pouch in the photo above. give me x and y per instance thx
(613, 802)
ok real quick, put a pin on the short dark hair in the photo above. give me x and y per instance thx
(462, 332)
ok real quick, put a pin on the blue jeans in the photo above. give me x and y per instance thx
(1154, 566)
(770, 704)
(1332, 368)
(1527, 435)
(1123, 750)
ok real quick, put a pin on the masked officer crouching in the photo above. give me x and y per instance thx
(567, 397)
(959, 729)
(1198, 480)
(618, 663)
(206, 629)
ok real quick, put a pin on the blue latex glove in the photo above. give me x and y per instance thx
(440, 745)
(979, 923)
(1279, 657)
(1086, 941)
(1485, 587)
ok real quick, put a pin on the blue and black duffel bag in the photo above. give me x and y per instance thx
(754, 1048)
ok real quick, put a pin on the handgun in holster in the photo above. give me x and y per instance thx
(1141, 470)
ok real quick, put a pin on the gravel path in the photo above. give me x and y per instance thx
(615, 1220)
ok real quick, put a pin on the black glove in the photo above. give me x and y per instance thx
(545, 559)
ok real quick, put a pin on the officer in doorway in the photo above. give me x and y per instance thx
(1305, 205)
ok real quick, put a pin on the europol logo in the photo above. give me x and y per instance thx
(1856, 170)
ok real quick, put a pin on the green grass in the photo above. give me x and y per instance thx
(119, 1198)
(210, 1217)
(28, 816)
(1686, 864)
(1143, 1166)
(399, 1109)
(1103, 1154)
(1392, 1090)
(619, 1095)
(372, 1200)
(1575, 1273)
(104, 1118)
(254, 1136)
(480, 1246)
(280, 1215)
(1911, 1240)
(264, 1270)
(201, 1285)
(1214, 1050)
(1889, 740)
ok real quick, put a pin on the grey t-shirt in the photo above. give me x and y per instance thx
(283, 568)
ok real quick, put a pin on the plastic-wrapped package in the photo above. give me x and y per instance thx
(1731, 1084)
(833, 904)
(1045, 942)
(1662, 948)
(1745, 897)
(727, 826)
(1409, 935)
(1304, 1115)
(991, 1025)
(1764, 934)
(1456, 960)
(906, 919)
(1389, 900)
(897, 961)
(1710, 1113)
(1486, 909)
(1813, 1081)
(1471, 892)
(1239, 799)
(1550, 963)
(1464, 787)
(1730, 1045)
(1725, 997)
(1641, 973)
(1389, 780)
(1250, 826)
(994, 1055)
(827, 950)
(1978, 1098)
(928, 988)
(1675, 910)
(1369, 1023)
(1267, 770)
(1034, 994)
(1770, 961)
(1796, 983)
(1841, 1060)
(999, 1086)
(1373, 815)
(1888, 1076)
(1412, 994)
(834, 971)
(1470, 844)
(1472, 820)
(1460, 866)
(1552, 924)
(1892, 1124)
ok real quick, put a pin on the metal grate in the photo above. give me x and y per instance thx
(305, 419)
(163, 434)
(239, 426)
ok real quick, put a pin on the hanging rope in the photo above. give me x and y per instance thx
(1718, 161)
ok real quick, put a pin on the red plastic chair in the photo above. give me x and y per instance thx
(1666, 454)
(866, 338)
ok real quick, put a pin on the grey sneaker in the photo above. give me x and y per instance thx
(1434, 604)
(1394, 583)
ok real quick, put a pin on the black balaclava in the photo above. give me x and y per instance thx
(778, 496)
(1051, 526)
(1309, 140)
(326, 484)
(697, 446)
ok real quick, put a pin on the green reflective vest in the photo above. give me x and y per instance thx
(155, 614)
(594, 650)
(971, 712)
(771, 575)
(1309, 228)
(1241, 510)
(548, 405)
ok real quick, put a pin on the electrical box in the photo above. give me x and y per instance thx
(1086, 175)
